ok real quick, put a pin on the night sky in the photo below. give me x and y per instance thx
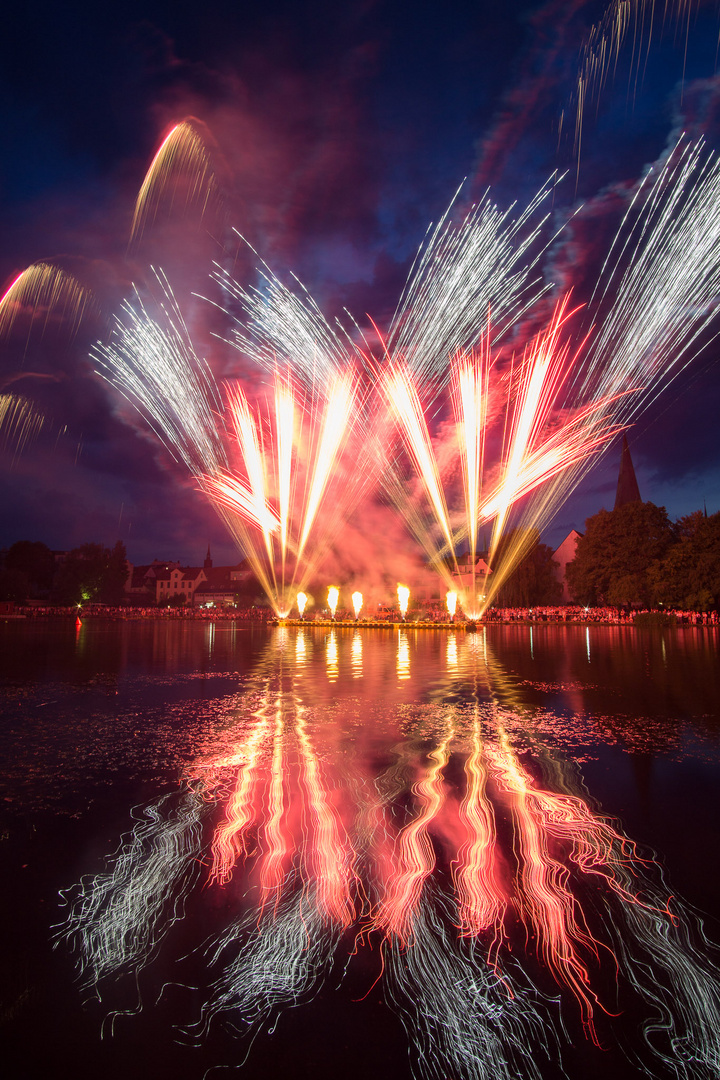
(340, 132)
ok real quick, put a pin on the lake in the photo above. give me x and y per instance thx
(232, 849)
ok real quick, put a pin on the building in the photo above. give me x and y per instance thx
(627, 485)
(141, 580)
(562, 556)
(180, 581)
(627, 491)
(207, 585)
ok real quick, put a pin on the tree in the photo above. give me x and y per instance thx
(689, 575)
(36, 561)
(92, 573)
(14, 585)
(532, 582)
(616, 560)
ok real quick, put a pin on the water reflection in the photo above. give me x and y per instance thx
(357, 655)
(403, 655)
(331, 656)
(449, 853)
(300, 649)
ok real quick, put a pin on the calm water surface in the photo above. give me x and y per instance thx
(233, 850)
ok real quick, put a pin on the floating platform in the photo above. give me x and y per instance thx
(381, 624)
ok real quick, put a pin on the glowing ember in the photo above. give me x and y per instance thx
(333, 595)
(357, 601)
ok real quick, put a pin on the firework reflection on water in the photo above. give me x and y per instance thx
(493, 907)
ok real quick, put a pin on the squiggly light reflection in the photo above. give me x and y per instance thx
(482, 929)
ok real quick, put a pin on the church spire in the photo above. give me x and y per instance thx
(208, 560)
(627, 485)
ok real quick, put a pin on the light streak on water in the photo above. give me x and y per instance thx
(403, 655)
(461, 1017)
(301, 650)
(481, 897)
(548, 905)
(328, 855)
(332, 656)
(357, 655)
(230, 839)
(411, 856)
(267, 964)
(273, 866)
(117, 919)
(498, 904)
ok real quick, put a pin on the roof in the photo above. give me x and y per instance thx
(627, 485)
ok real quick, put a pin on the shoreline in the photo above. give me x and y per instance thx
(594, 617)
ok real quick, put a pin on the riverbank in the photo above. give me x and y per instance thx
(436, 620)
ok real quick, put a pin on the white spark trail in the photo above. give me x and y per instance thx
(118, 918)
(463, 1018)
(154, 365)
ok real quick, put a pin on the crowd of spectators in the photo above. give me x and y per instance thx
(578, 614)
(254, 614)
(558, 614)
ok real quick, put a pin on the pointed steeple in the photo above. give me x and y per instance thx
(627, 486)
(207, 565)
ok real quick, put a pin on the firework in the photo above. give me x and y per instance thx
(44, 292)
(153, 363)
(604, 43)
(460, 273)
(534, 449)
(20, 423)
(286, 472)
(181, 172)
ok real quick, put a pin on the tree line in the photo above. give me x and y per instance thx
(632, 556)
(90, 573)
(635, 556)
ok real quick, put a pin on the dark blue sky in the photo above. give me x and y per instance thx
(342, 130)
